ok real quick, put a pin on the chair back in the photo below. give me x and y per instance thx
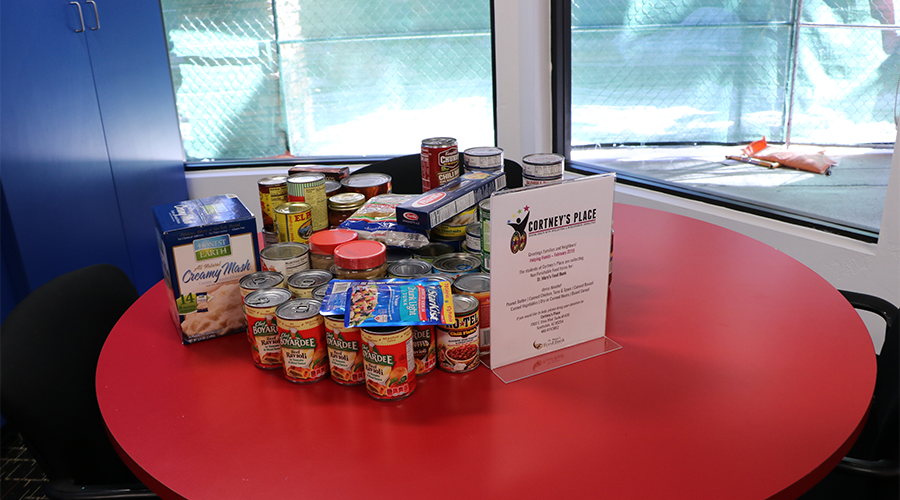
(49, 347)
(406, 173)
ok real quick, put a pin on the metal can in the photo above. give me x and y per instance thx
(369, 184)
(286, 258)
(320, 292)
(431, 250)
(473, 238)
(541, 168)
(483, 159)
(262, 327)
(457, 344)
(440, 162)
(484, 213)
(332, 187)
(425, 348)
(456, 226)
(272, 192)
(395, 254)
(301, 334)
(259, 280)
(455, 264)
(270, 237)
(303, 283)
(294, 222)
(457, 243)
(390, 362)
(408, 269)
(309, 188)
(478, 285)
(344, 352)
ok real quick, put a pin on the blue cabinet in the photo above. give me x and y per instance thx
(89, 138)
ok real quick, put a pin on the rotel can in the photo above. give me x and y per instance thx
(301, 334)
(440, 162)
(344, 352)
(458, 344)
(294, 222)
(262, 328)
(389, 361)
(478, 285)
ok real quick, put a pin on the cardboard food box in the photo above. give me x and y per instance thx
(207, 246)
(444, 202)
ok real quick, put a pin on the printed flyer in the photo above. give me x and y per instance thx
(550, 252)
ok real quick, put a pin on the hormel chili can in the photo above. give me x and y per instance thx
(390, 362)
(440, 162)
(344, 351)
(301, 334)
(262, 327)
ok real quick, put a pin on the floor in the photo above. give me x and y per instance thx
(20, 475)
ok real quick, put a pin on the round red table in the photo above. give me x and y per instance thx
(742, 374)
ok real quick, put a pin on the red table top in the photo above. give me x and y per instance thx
(742, 374)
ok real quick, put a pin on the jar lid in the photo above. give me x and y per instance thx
(344, 201)
(360, 254)
(324, 242)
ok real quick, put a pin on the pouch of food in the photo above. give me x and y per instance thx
(377, 220)
(390, 302)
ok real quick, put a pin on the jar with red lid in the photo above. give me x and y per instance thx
(360, 260)
(323, 243)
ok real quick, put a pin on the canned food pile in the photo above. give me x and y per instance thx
(332, 236)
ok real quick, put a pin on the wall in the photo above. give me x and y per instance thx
(523, 127)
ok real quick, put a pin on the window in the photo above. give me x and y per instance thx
(661, 91)
(262, 78)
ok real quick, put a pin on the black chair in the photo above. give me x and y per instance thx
(870, 470)
(406, 173)
(49, 347)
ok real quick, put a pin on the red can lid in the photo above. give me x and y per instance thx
(324, 242)
(360, 254)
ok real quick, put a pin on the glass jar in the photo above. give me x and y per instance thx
(343, 205)
(360, 260)
(323, 243)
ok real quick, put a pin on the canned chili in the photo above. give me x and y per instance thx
(390, 362)
(344, 351)
(302, 340)
(440, 162)
(262, 327)
(457, 344)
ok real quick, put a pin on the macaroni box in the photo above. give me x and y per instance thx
(447, 200)
(207, 246)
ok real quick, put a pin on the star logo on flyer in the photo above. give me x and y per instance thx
(519, 222)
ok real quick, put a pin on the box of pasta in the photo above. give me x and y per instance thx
(206, 246)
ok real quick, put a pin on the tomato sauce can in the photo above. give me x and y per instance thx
(262, 327)
(272, 192)
(259, 280)
(478, 285)
(302, 284)
(294, 222)
(301, 334)
(368, 184)
(457, 344)
(286, 258)
(344, 352)
(390, 362)
(309, 188)
(440, 162)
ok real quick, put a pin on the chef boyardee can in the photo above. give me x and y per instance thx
(484, 213)
(262, 328)
(483, 159)
(344, 351)
(453, 265)
(294, 222)
(458, 344)
(309, 188)
(541, 168)
(301, 334)
(259, 280)
(302, 283)
(478, 285)
(286, 258)
(390, 362)
(440, 162)
(408, 269)
(272, 192)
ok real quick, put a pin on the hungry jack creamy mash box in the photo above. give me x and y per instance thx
(207, 246)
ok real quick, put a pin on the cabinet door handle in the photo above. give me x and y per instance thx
(79, 16)
(96, 13)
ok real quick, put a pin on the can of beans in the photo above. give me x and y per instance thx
(440, 162)
(262, 327)
(425, 348)
(541, 168)
(294, 222)
(309, 188)
(369, 184)
(272, 192)
(483, 159)
(344, 351)
(408, 269)
(286, 258)
(302, 284)
(473, 238)
(455, 264)
(478, 285)
(261, 279)
(390, 362)
(458, 344)
(301, 334)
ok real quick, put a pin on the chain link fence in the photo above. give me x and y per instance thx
(684, 71)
